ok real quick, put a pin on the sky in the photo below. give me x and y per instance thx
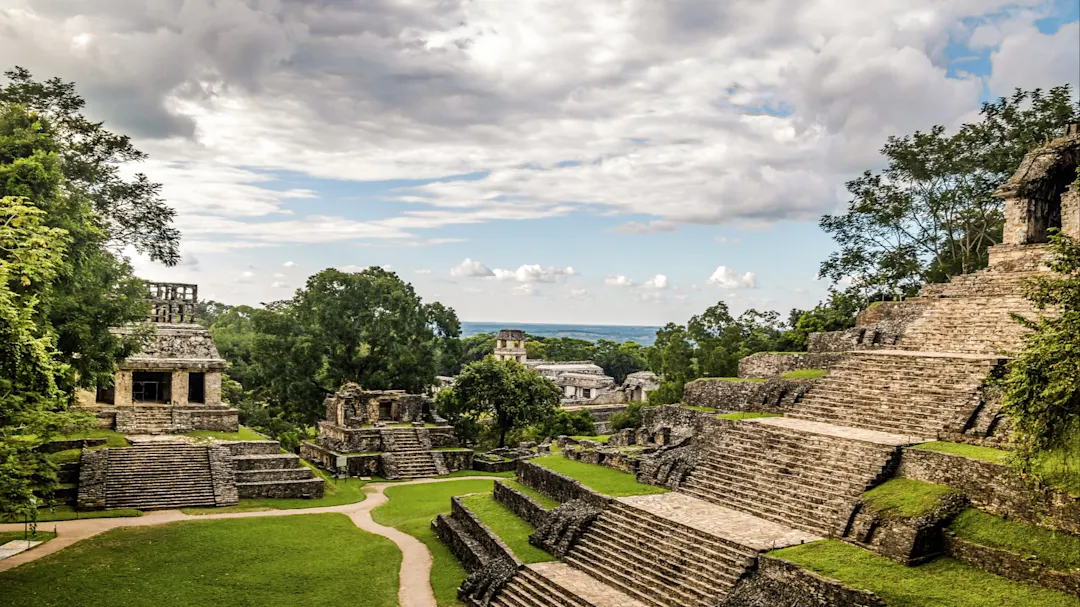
(601, 162)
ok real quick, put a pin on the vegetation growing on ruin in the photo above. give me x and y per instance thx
(1042, 385)
(598, 478)
(540, 498)
(243, 433)
(598, 438)
(410, 509)
(988, 454)
(323, 558)
(906, 498)
(507, 526)
(805, 374)
(737, 415)
(943, 582)
(1055, 549)
(568, 423)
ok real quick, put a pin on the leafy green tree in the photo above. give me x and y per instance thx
(568, 423)
(836, 314)
(632, 418)
(472, 349)
(620, 360)
(536, 348)
(1042, 386)
(931, 214)
(568, 348)
(505, 392)
(369, 327)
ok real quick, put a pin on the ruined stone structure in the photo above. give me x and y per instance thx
(510, 345)
(174, 384)
(387, 433)
(911, 372)
(580, 380)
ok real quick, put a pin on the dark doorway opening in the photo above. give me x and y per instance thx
(151, 386)
(386, 411)
(196, 391)
(106, 395)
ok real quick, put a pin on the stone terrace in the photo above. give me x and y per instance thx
(546, 584)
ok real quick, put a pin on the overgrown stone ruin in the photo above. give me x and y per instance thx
(910, 372)
(387, 433)
(173, 387)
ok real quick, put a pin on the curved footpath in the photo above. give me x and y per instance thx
(415, 579)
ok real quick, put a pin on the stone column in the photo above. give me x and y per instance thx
(123, 389)
(179, 388)
(211, 388)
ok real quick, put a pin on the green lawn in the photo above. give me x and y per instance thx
(67, 513)
(747, 415)
(317, 559)
(114, 440)
(943, 582)
(512, 530)
(598, 478)
(904, 497)
(805, 374)
(244, 433)
(1057, 550)
(67, 456)
(540, 498)
(411, 509)
(42, 536)
(998, 456)
(601, 438)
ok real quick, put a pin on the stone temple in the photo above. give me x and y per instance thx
(909, 374)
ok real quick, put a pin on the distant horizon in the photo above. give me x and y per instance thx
(641, 334)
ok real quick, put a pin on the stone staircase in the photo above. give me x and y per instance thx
(916, 394)
(262, 470)
(414, 464)
(658, 561)
(157, 476)
(979, 325)
(410, 455)
(146, 419)
(794, 474)
(550, 584)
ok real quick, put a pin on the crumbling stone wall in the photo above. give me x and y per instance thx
(558, 487)
(564, 526)
(775, 395)
(909, 540)
(672, 464)
(1034, 194)
(994, 488)
(775, 582)
(521, 504)
(768, 364)
(1021, 568)
(880, 326)
(93, 470)
(223, 475)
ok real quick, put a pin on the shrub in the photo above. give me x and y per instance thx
(569, 423)
(630, 419)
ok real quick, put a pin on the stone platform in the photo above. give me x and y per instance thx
(584, 586)
(732, 525)
(847, 432)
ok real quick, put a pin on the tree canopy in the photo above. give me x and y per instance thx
(930, 214)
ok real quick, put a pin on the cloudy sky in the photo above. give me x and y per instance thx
(609, 161)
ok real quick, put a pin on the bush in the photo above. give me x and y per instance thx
(568, 423)
(667, 393)
(630, 419)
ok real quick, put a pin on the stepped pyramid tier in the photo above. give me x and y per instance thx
(174, 384)
(387, 433)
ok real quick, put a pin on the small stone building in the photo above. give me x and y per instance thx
(510, 345)
(1040, 196)
(388, 433)
(174, 384)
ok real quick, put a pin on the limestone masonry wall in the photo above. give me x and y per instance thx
(558, 487)
(222, 475)
(773, 396)
(994, 488)
(487, 538)
(522, 505)
(1013, 566)
(93, 470)
(769, 364)
(777, 582)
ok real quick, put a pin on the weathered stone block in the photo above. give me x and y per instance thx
(776, 583)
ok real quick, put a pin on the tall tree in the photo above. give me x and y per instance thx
(504, 391)
(369, 327)
(620, 360)
(931, 214)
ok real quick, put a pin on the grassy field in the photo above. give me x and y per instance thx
(904, 497)
(68, 513)
(747, 415)
(505, 524)
(317, 559)
(542, 499)
(942, 582)
(1056, 550)
(598, 478)
(411, 509)
(114, 440)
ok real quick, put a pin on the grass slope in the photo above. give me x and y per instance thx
(747, 415)
(600, 438)
(336, 493)
(987, 454)
(42, 536)
(1057, 550)
(540, 498)
(505, 524)
(411, 508)
(942, 582)
(805, 374)
(114, 440)
(598, 478)
(68, 513)
(316, 559)
(904, 497)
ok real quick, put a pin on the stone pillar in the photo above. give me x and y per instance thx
(211, 389)
(179, 388)
(1070, 213)
(123, 389)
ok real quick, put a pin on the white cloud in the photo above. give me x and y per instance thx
(278, 285)
(533, 273)
(618, 281)
(727, 240)
(423, 271)
(579, 293)
(633, 227)
(289, 264)
(279, 275)
(525, 289)
(471, 268)
(729, 279)
(387, 267)
(246, 277)
(659, 281)
(1028, 58)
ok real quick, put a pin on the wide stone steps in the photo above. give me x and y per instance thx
(274, 461)
(415, 464)
(310, 488)
(159, 476)
(263, 471)
(273, 474)
(556, 584)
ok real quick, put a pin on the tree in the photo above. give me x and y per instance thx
(568, 423)
(505, 392)
(620, 360)
(836, 314)
(1042, 385)
(568, 348)
(368, 327)
(931, 214)
(132, 211)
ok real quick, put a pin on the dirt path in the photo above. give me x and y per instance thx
(415, 587)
